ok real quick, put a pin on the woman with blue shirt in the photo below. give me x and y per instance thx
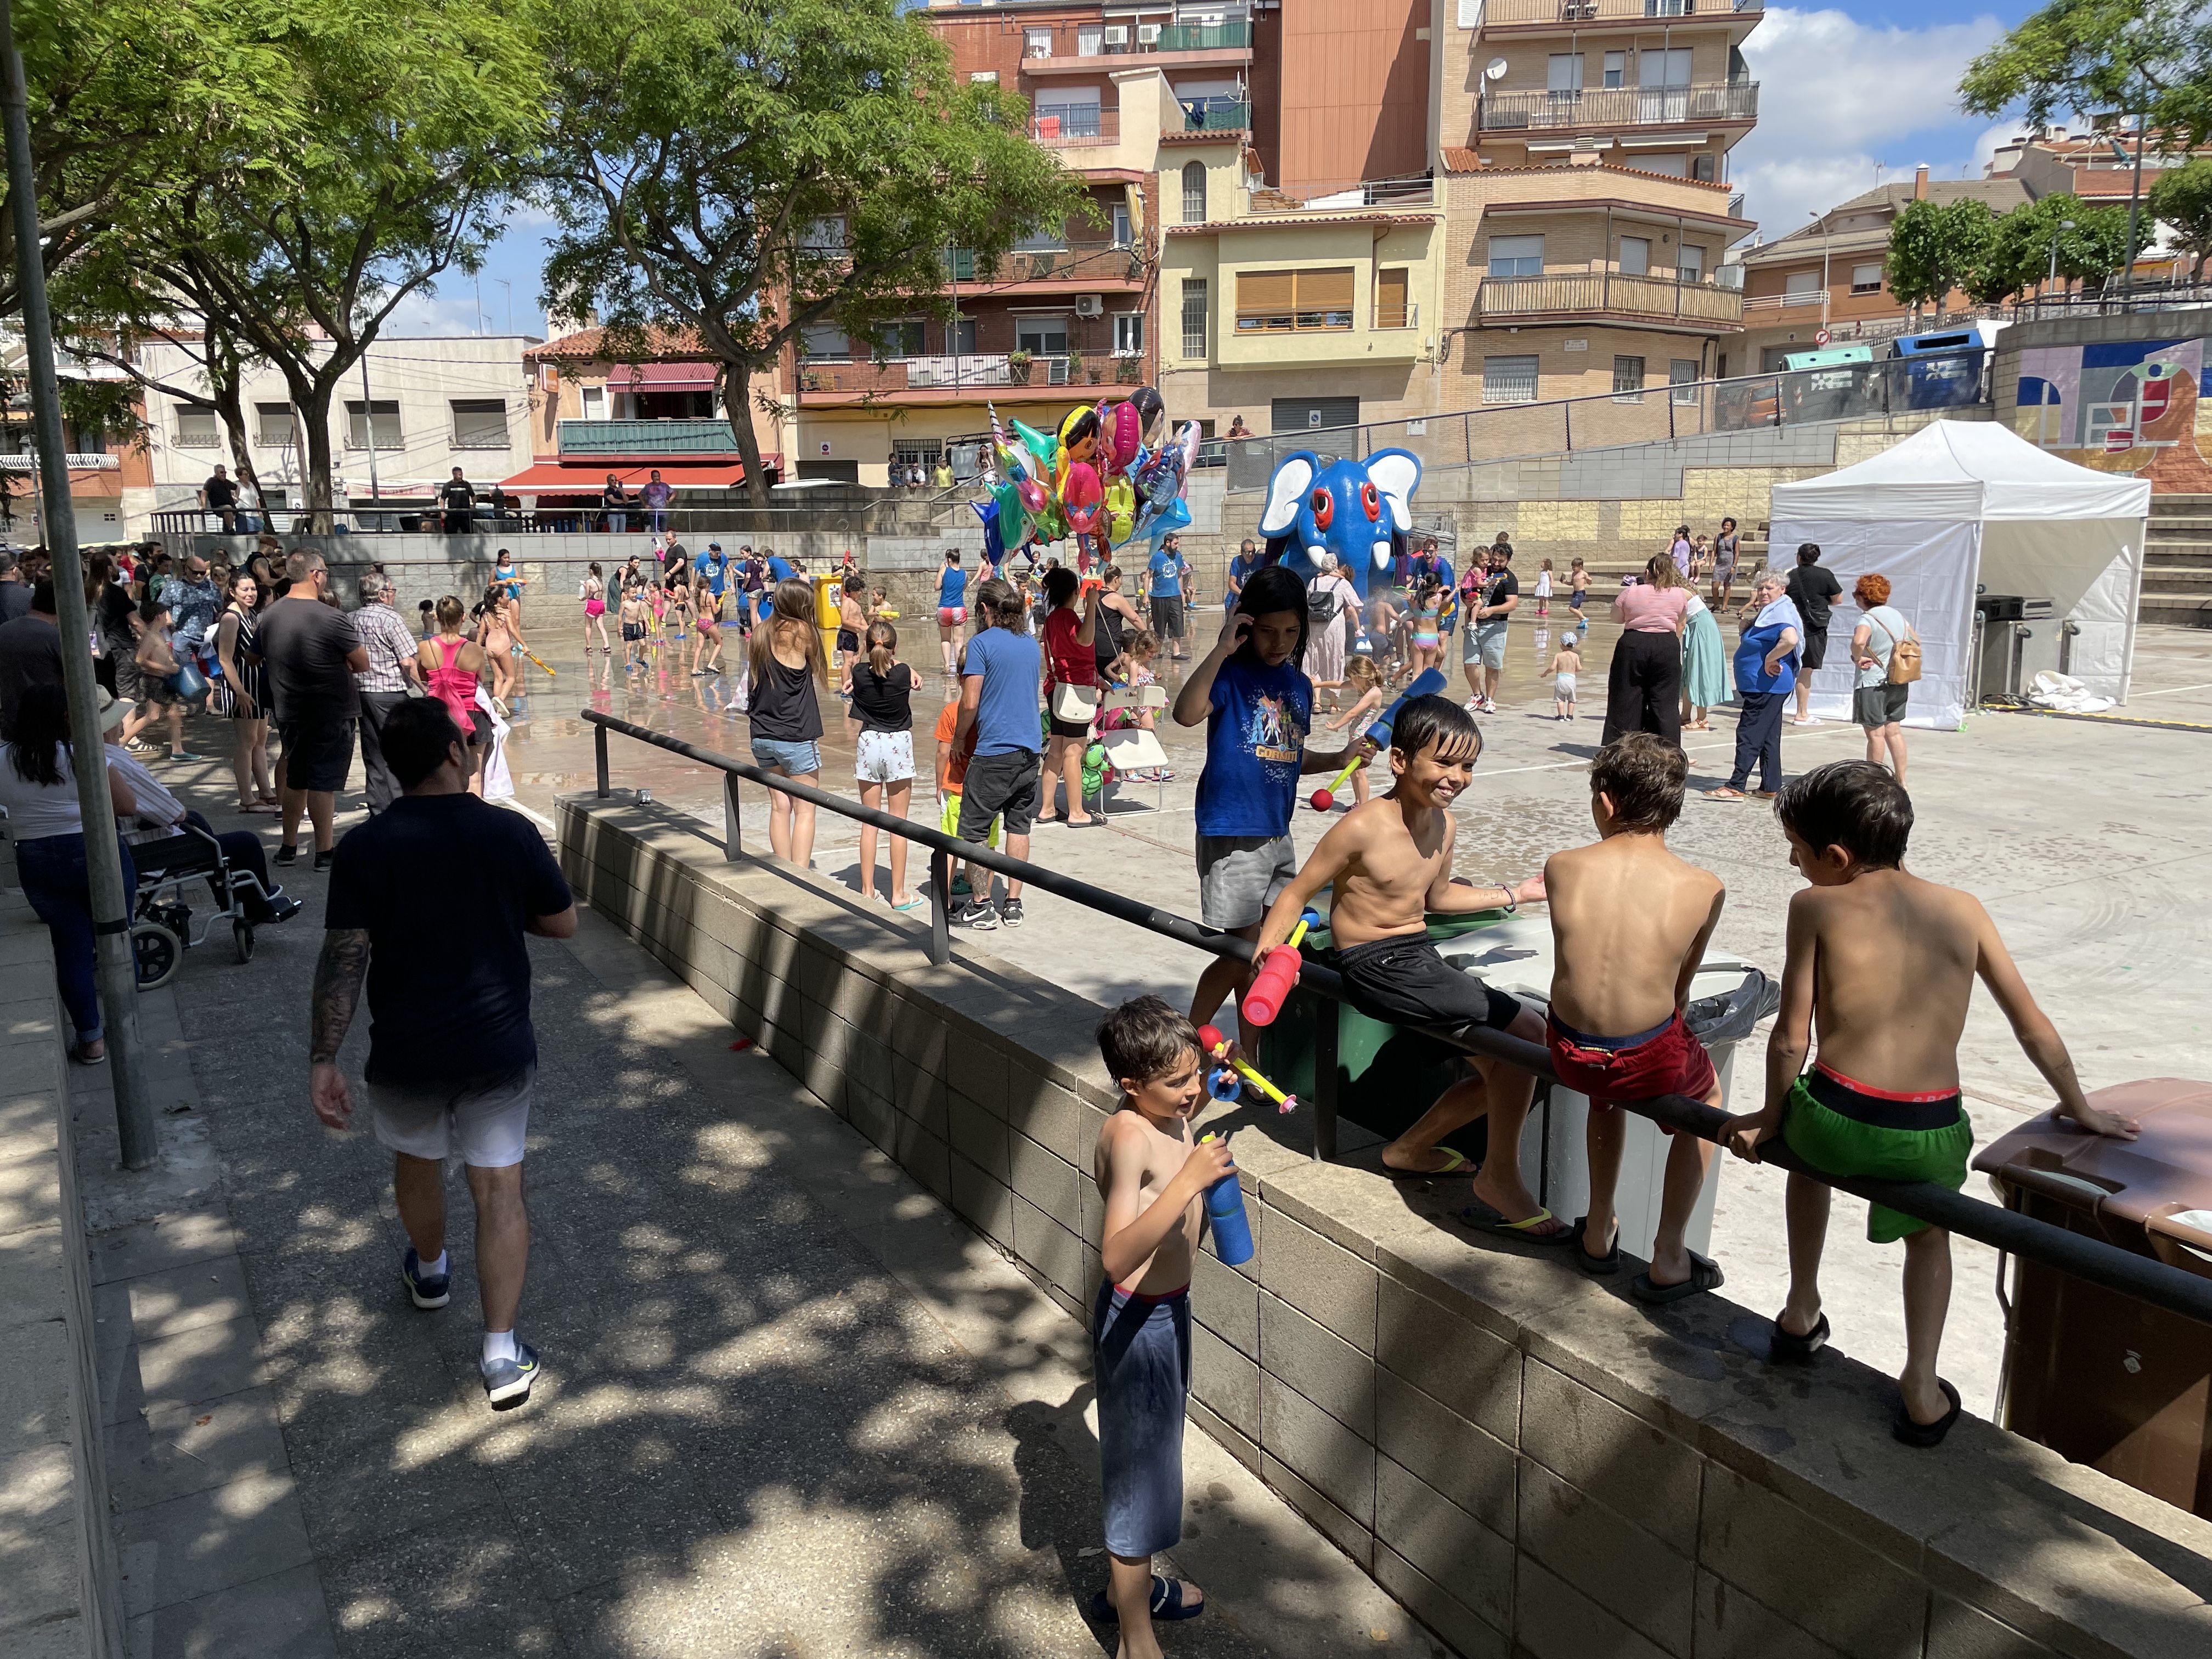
(1765, 672)
(951, 608)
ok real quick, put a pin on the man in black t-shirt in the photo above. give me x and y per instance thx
(1813, 591)
(220, 495)
(313, 652)
(460, 504)
(429, 902)
(1497, 596)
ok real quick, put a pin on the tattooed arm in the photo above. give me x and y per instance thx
(338, 975)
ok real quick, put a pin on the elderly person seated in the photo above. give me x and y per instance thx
(1767, 668)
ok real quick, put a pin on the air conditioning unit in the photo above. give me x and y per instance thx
(1117, 34)
(1090, 305)
(1148, 34)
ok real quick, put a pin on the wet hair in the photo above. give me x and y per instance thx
(952, 556)
(883, 646)
(1269, 591)
(1142, 643)
(41, 733)
(855, 584)
(1642, 776)
(1060, 584)
(1144, 1039)
(415, 736)
(450, 613)
(1362, 673)
(1437, 720)
(150, 607)
(595, 564)
(1809, 552)
(792, 604)
(1871, 591)
(1855, 805)
(1577, 564)
(1000, 605)
(1660, 571)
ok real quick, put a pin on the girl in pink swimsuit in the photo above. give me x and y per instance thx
(450, 664)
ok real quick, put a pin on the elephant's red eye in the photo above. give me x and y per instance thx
(1370, 499)
(1324, 507)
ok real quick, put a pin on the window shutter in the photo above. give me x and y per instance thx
(1325, 290)
(479, 423)
(1390, 299)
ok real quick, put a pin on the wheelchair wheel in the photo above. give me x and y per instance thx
(156, 952)
(241, 935)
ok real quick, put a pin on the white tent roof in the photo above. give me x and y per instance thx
(1962, 472)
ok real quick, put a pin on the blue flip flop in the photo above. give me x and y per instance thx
(1168, 1605)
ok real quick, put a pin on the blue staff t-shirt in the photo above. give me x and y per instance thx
(1255, 740)
(951, 586)
(1167, 575)
(1010, 666)
(714, 567)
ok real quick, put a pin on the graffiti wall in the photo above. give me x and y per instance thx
(2132, 406)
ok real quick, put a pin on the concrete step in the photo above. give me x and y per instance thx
(2190, 527)
(2179, 609)
(2177, 549)
(2175, 578)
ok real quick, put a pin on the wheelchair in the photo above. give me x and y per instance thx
(162, 924)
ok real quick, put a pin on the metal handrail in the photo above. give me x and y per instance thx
(2007, 1230)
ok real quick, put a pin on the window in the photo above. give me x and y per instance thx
(272, 425)
(1128, 334)
(1090, 39)
(1193, 193)
(1706, 168)
(196, 428)
(1656, 67)
(1045, 238)
(960, 337)
(826, 235)
(1275, 302)
(1635, 256)
(1616, 69)
(1509, 379)
(1801, 282)
(1193, 317)
(1121, 224)
(595, 403)
(1563, 73)
(1075, 115)
(1690, 264)
(1866, 279)
(1628, 378)
(1042, 337)
(1517, 256)
(380, 417)
(479, 423)
(1683, 376)
(1674, 166)
(1392, 308)
(897, 341)
(1036, 43)
(826, 342)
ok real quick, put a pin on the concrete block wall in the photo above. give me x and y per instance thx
(60, 1582)
(1533, 1464)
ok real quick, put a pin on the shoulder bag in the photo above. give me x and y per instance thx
(1904, 658)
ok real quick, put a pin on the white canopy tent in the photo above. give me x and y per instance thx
(1961, 505)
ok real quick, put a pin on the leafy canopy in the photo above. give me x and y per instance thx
(2148, 58)
(2182, 198)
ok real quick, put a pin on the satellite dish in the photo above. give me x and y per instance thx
(1494, 70)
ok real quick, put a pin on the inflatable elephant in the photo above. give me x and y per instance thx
(1357, 514)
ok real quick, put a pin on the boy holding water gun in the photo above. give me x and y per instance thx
(1152, 1177)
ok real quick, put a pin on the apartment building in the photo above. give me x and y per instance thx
(111, 485)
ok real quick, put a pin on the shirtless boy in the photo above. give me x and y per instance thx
(1881, 966)
(1152, 1177)
(1629, 926)
(1390, 863)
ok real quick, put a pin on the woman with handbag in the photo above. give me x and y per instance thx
(1071, 690)
(1888, 652)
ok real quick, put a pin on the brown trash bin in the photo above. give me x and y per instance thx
(2099, 1377)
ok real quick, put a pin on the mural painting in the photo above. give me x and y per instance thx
(2123, 406)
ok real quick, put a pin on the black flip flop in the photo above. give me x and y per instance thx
(1595, 1265)
(1705, 1274)
(1168, 1605)
(1481, 1217)
(1923, 1435)
(1787, 1347)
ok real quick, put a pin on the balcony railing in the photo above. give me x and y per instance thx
(1060, 125)
(1083, 263)
(687, 437)
(1766, 302)
(1581, 293)
(1049, 42)
(1571, 12)
(1396, 317)
(1619, 106)
(1414, 191)
(1217, 114)
(1204, 37)
(979, 370)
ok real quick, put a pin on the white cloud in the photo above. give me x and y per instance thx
(425, 312)
(1839, 96)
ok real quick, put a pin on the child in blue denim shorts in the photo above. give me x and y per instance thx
(1152, 1177)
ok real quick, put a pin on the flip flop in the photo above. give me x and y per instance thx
(1168, 1605)
(1726, 793)
(1481, 1217)
(911, 904)
(1594, 1265)
(1910, 1433)
(1457, 1163)
(1705, 1274)
(1787, 1347)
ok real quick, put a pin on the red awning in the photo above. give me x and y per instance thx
(663, 377)
(550, 478)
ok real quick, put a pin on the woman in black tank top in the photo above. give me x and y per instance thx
(1114, 612)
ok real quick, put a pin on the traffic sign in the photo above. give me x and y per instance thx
(1820, 337)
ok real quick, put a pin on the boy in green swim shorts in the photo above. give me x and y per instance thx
(1881, 965)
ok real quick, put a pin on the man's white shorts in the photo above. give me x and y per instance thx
(486, 1123)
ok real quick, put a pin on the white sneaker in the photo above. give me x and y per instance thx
(1472, 705)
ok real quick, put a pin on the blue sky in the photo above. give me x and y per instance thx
(1851, 94)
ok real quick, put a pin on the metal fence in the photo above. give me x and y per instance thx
(2007, 1230)
(1521, 429)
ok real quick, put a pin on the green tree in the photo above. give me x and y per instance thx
(739, 172)
(2081, 242)
(1933, 250)
(2182, 198)
(2147, 58)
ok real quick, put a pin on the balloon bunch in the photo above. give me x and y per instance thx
(1108, 473)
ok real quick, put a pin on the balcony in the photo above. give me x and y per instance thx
(1595, 107)
(1570, 295)
(968, 371)
(1061, 126)
(1217, 115)
(613, 437)
(1544, 15)
(1083, 49)
(1204, 37)
(1097, 264)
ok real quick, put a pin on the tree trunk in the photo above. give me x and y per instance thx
(737, 404)
(313, 400)
(230, 406)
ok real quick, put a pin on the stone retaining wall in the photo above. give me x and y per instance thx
(1532, 1463)
(60, 1583)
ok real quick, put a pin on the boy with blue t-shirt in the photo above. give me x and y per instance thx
(1257, 704)
(998, 681)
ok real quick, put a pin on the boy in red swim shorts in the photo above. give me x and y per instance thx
(1629, 925)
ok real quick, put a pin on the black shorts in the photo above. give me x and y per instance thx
(1815, 648)
(848, 640)
(1166, 616)
(633, 630)
(318, 754)
(1403, 981)
(998, 784)
(1060, 728)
